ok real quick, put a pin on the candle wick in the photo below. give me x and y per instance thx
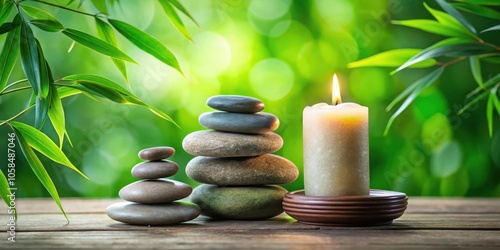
(338, 101)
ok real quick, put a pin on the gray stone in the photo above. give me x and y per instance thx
(239, 203)
(260, 170)
(235, 103)
(156, 153)
(154, 169)
(157, 214)
(240, 123)
(222, 144)
(155, 191)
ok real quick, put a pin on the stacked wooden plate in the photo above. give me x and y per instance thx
(379, 208)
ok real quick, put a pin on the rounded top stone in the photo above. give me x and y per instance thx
(235, 103)
(156, 153)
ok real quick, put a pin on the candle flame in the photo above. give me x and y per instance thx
(336, 99)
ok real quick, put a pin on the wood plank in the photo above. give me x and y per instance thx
(415, 205)
(101, 222)
(250, 239)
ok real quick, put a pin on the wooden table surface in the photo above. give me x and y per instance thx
(428, 222)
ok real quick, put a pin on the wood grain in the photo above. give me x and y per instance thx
(428, 223)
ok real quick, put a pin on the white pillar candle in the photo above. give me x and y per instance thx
(336, 159)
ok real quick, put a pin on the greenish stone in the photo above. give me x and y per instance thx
(239, 203)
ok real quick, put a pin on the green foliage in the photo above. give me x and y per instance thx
(393, 58)
(463, 43)
(47, 92)
(39, 170)
(146, 42)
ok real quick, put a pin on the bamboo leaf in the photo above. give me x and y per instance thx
(96, 44)
(6, 27)
(392, 58)
(482, 2)
(98, 80)
(100, 6)
(5, 191)
(43, 144)
(38, 13)
(491, 59)
(472, 102)
(146, 42)
(456, 14)
(448, 20)
(10, 52)
(454, 50)
(42, 103)
(106, 33)
(477, 10)
(175, 19)
(41, 110)
(492, 81)
(56, 111)
(489, 114)
(64, 92)
(425, 82)
(113, 91)
(406, 92)
(47, 25)
(5, 11)
(475, 67)
(161, 114)
(56, 115)
(43, 19)
(434, 27)
(39, 170)
(104, 91)
(30, 61)
(180, 7)
(496, 102)
(496, 27)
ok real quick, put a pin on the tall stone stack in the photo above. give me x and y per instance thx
(235, 163)
(154, 200)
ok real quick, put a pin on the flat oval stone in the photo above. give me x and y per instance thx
(239, 203)
(240, 123)
(242, 171)
(157, 214)
(236, 103)
(222, 144)
(155, 169)
(155, 191)
(156, 153)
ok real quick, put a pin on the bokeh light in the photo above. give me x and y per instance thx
(285, 53)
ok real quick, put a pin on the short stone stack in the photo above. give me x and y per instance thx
(234, 161)
(154, 200)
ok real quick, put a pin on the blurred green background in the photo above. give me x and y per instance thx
(283, 52)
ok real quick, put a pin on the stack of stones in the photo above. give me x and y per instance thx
(153, 200)
(234, 161)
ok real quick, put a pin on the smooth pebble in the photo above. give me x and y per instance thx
(155, 191)
(235, 103)
(240, 123)
(155, 215)
(239, 203)
(154, 169)
(260, 170)
(156, 153)
(223, 144)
